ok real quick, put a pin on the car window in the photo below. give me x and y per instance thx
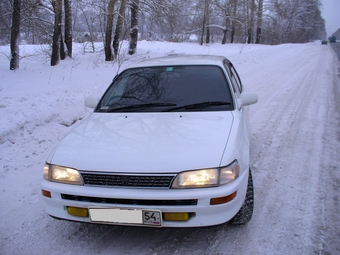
(235, 78)
(169, 86)
(227, 68)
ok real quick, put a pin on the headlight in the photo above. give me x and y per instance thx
(207, 177)
(196, 179)
(229, 173)
(62, 174)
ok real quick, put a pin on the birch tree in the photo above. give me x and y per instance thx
(119, 27)
(205, 23)
(225, 8)
(233, 21)
(297, 22)
(108, 30)
(259, 21)
(68, 27)
(15, 32)
(134, 7)
(251, 23)
(55, 57)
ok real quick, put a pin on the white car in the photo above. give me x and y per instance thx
(166, 146)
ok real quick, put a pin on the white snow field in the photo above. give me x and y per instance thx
(295, 148)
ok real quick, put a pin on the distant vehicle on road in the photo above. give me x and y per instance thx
(332, 39)
(324, 42)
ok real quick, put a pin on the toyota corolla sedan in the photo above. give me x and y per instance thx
(167, 145)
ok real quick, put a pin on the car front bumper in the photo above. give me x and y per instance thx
(201, 212)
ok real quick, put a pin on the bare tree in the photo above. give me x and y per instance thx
(205, 23)
(224, 6)
(251, 23)
(108, 31)
(37, 21)
(68, 27)
(62, 47)
(134, 6)
(88, 22)
(259, 21)
(269, 21)
(297, 22)
(168, 20)
(233, 21)
(6, 16)
(55, 57)
(207, 19)
(15, 31)
(119, 27)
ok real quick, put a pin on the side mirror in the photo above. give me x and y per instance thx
(91, 101)
(247, 98)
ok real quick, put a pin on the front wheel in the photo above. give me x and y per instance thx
(245, 213)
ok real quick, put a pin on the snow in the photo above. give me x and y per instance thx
(295, 148)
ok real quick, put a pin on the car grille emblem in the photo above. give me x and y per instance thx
(124, 180)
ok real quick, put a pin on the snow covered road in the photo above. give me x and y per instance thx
(295, 148)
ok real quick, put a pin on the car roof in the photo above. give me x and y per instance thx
(173, 60)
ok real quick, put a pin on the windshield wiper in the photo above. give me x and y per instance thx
(199, 105)
(137, 106)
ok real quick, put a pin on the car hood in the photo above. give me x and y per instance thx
(145, 142)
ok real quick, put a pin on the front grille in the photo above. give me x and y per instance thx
(104, 200)
(109, 180)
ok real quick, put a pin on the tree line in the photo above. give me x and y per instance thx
(59, 23)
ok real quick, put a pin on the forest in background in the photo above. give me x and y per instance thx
(58, 23)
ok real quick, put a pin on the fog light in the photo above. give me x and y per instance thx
(176, 216)
(222, 200)
(46, 193)
(79, 212)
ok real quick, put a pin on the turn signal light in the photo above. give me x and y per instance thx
(77, 211)
(176, 216)
(46, 193)
(222, 200)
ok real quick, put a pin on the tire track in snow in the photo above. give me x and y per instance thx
(290, 213)
(287, 182)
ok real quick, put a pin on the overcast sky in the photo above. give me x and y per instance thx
(331, 14)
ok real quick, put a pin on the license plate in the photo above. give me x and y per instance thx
(126, 216)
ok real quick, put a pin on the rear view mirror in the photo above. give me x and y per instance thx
(248, 98)
(91, 101)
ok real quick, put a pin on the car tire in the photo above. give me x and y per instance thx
(246, 212)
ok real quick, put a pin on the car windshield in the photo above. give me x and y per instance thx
(168, 88)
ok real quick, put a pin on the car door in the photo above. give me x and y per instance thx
(240, 114)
